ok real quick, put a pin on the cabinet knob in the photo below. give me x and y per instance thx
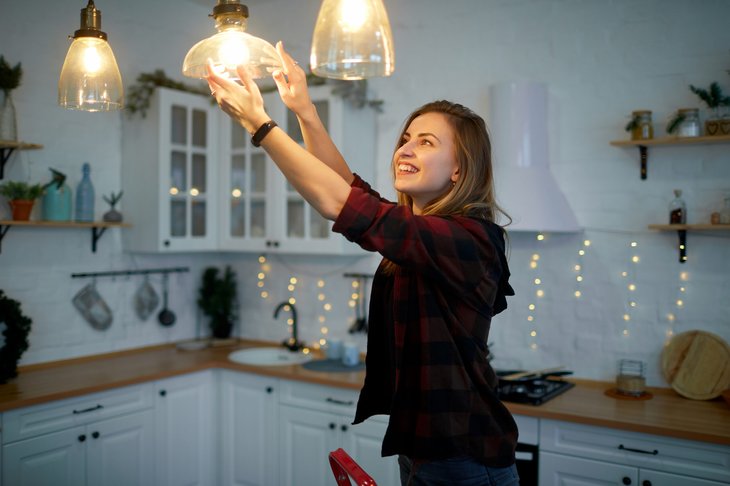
(626, 480)
(332, 426)
(343, 428)
(82, 438)
(95, 435)
(163, 393)
(276, 244)
(646, 482)
(269, 389)
(166, 243)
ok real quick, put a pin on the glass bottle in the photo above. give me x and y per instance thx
(677, 209)
(85, 197)
(57, 199)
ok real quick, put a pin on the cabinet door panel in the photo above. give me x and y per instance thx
(306, 439)
(656, 478)
(559, 470)
(57, 459)
(248, 430)
(363, 443)
(120, 451)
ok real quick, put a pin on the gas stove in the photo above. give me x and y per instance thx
(532, 391)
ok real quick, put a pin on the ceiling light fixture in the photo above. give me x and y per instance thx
(90, 79)
(231, 46)
(352, 40)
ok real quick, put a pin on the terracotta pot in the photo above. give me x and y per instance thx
(21, 209)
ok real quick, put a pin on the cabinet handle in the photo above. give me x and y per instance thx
(269, 389)
(95, 435)
(90, 409)
(646, 482)
(340, 402)
(653, 453)
(332, 425)
(626, 480)
(82, 438)
(163, 393)
(343, 428)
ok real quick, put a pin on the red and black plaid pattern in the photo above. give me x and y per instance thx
(427, 361)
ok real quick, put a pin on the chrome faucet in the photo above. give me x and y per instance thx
(291, 343)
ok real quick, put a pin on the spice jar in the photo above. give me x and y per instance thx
(640, 125)
(630, 379)
(689, 126)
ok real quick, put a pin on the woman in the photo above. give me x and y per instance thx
(443, 275)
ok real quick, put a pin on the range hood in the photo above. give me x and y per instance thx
(525, 187)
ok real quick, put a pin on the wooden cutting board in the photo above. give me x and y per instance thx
(697, 364)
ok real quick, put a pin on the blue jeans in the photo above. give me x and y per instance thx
(455, 471)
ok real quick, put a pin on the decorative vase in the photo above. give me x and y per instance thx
(8, 123)
(21, 209)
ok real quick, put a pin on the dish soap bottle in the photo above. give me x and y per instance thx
(677, 209)
(85, 197)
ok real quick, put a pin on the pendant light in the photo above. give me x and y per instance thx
(231, 46)
(90, 78)
(352, 40)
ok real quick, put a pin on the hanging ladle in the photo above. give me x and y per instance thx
(166, 316)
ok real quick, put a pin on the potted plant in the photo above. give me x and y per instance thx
(218, 299)
(714, 99)
(9, 80)
(21, 197)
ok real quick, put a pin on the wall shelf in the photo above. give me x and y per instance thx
(6, 150)
(682, 229)
(643, 145)
(97, 227)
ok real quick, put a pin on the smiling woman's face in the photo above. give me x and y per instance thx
(424, 164)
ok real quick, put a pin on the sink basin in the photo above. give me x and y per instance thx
(268, 356)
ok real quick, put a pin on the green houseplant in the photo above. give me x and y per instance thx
(15, 334)
(218, 299)
(21, 197)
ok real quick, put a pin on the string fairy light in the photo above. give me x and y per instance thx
(629, 277)
(325, 308)
(679, 304)
(579, 269)
(539, 294)
(264, 270)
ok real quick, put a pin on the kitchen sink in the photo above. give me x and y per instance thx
(268, 356)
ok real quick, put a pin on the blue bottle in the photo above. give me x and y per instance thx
(85, 197)
(57, 199)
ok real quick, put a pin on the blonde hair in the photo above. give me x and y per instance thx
(473, 193)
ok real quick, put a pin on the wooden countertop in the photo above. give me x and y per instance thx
(667, 413)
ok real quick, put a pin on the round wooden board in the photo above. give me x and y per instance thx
(697, 364)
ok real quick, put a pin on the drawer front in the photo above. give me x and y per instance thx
(697, 459)
(318, 397)
(35, 420)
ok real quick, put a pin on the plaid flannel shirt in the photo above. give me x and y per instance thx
(426, 363)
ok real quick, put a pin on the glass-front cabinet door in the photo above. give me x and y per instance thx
(170, 174)
(261, 211)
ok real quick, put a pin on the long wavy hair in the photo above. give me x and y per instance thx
(473, 193)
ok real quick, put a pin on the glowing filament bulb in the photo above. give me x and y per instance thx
(92, 60)
(353, 15)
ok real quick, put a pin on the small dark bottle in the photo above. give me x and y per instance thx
(677, 209)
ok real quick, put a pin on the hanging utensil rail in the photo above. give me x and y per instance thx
(117, 273)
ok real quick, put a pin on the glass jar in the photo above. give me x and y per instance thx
(677, 209)
(630, 379)
(641, 126)
(690, 124)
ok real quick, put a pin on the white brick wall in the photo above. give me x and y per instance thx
(600, 61)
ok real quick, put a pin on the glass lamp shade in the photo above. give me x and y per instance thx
(352, 40)
(90, 78)
(229, 48)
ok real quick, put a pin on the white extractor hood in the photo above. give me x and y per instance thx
(525, 187)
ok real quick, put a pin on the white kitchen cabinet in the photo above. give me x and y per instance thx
(260, 210)
(100, 439)
(248, 430)
(573, 453)
(186, 445)
(316, 420)
(170, 174)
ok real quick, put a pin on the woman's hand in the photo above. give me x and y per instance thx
(242, 102)
(291, 81)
